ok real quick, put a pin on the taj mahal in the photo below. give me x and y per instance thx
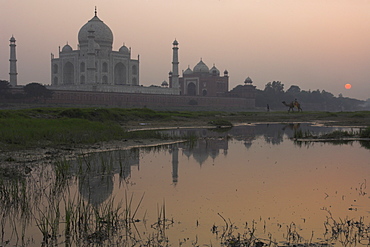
(94, 73)
(94, 66)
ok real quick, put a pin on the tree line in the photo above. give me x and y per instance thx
(270, 98)
(33, 91)
(273, 95)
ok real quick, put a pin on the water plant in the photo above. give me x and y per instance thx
(346, 231)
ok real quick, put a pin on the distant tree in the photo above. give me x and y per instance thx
(293, 89)
(327, 94)
(4, 88)
(315, 100)
(274, 87)
(316, 96)
(37, 91)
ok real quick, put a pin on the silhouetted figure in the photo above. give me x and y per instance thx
(292, 105)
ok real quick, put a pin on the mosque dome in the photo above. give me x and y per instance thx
(188, 71)
(124, 50)
(103, 34)
(67, 48)
(214, 71)
(12, 39)
(164, 84)
(175, 42)
(248, 80)
(201, 67)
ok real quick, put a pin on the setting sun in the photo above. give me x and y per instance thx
(348, 86)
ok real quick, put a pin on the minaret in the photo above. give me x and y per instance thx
(175, 65)
(13, 63)
(175, 164)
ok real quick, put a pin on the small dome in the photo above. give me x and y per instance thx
(214, 71)
(124, 50)
(103, 34)
(248, 80)
(67, 48)
(226, 72)
(188, 71)
(201, 67)
(12, 39)
(164, 84)
(175, 42)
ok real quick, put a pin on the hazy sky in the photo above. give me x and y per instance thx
(315, 44)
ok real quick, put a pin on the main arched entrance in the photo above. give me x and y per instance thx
(192, 91)
(68, 73)
(119, 74)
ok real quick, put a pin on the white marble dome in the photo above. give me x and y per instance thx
(67, 48)
(124, 50)
(103, 34)
(201, 67)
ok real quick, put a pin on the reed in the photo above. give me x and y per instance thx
(348, 232)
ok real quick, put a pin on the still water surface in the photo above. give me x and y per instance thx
(252, 176)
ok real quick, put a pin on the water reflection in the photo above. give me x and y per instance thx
(250, 173)
(96, 182)
(96, 171)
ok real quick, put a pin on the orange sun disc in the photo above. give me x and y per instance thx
(348, 86)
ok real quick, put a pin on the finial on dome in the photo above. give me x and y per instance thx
(96, 11)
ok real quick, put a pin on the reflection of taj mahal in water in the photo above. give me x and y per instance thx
(96, 184)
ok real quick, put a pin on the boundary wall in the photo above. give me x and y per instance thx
(152, 101)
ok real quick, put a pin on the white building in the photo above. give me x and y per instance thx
(94, 66)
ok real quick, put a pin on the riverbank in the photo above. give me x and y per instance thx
(353, 119)
(30, 136)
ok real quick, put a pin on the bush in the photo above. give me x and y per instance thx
(220, 123)
(365, 133)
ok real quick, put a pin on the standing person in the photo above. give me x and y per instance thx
(268, 107)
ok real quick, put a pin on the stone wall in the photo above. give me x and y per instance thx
(152, 101)
(116, 88)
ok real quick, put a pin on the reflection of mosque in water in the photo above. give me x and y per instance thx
(96, 172)
(96, 182)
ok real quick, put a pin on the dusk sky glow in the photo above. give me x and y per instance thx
(315, 44)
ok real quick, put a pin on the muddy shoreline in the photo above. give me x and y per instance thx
(27, 158)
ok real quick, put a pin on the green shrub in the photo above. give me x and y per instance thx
(365, 133)
(220, 123)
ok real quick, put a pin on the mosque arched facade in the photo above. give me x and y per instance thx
(202, 81)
